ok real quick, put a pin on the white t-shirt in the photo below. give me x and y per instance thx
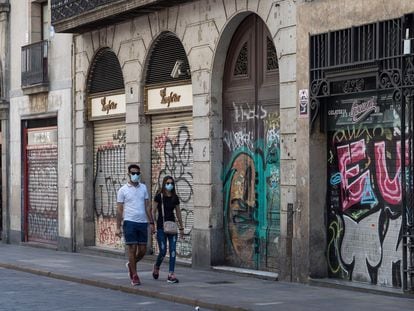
(133, 198)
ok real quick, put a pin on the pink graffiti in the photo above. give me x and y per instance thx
(351, 193)
(390, 189)
(159, 141)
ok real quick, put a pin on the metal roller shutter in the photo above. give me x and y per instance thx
(42, 169)
(109, 176)
(172, 154)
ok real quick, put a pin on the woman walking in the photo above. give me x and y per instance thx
(165, 203)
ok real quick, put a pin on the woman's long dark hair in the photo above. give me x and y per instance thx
(163, 191)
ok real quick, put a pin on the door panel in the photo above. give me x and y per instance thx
(172, 154)
(251, 150)
(42, 185)
(109, 176)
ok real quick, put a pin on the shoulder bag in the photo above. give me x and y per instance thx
(170, 227)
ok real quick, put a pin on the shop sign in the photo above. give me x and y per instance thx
(107, 106)
(367, 111)
(42, 136)
(169, 98)
(360, 110)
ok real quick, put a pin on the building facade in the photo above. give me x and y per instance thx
(204, 91)
(39, 207)
(287, 126)
(355, 61)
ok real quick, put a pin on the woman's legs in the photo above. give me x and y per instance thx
(162, 246)
(172, 244)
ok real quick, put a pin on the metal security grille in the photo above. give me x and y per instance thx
(42, 166)
(110, 175)
(407, 181)
(361, 88)
(106, 73)
(372, 53)
(166, 51)
(172, 154)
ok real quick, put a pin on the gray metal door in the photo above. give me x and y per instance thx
(172, 154)
(110, 175)
(42, 185)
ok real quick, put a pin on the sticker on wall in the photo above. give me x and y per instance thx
(304, 103)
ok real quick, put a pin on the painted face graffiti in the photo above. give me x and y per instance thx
(251, 185)
(241, 209)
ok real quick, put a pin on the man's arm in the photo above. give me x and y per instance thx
(119, 217)
(149, 215)
(154, 210)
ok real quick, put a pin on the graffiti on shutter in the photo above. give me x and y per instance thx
(110, 175)
(172, 154)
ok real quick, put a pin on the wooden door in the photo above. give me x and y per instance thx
(251, 148)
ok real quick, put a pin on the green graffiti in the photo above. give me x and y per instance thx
(251, 185)
(335, 233)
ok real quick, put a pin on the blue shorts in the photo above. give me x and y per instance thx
(135, 232)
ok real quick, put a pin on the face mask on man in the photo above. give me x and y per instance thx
(135, 178)
(169, 187)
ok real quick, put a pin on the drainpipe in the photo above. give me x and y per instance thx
(4, 112)
(73, 160)
(289, 239)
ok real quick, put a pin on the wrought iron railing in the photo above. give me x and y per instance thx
(63, 9)
(34, 64)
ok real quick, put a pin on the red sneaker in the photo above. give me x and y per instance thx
(172, 279)
(135, 280)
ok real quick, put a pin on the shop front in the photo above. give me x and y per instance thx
(106, 113)
(364, 103)
(41, 182)
(169, 104)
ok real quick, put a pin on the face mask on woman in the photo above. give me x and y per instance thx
(169, 187)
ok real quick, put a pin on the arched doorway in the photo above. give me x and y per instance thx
(169, 104)
(251, 148)
(106, 111)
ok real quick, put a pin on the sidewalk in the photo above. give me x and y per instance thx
(216, 290)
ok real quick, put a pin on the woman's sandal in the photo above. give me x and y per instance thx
(155, 272)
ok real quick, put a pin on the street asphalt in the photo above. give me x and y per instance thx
(208, 289)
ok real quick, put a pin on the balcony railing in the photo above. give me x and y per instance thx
(63, 9)
(78, 16)
(34, 64)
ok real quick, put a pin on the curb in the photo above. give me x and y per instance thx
(126, 289)
(361, 289)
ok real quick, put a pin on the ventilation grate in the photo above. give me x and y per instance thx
(166, 51)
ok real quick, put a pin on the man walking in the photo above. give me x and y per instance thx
(134, 210)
